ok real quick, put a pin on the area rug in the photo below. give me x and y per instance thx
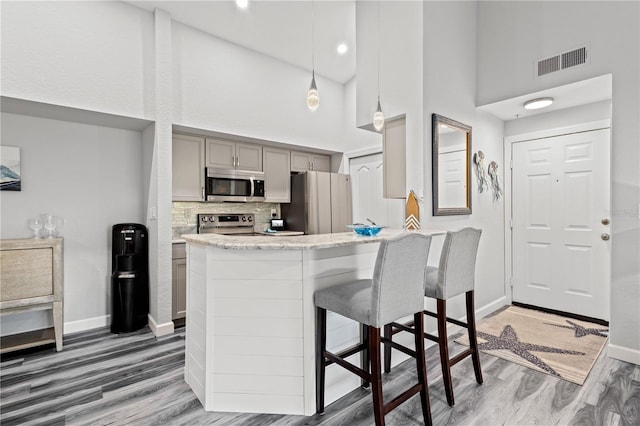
(560, 346)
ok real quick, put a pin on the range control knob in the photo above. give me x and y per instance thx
(204, 219)
(250, 218)
(244, 218)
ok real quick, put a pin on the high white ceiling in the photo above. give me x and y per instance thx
(281, 29)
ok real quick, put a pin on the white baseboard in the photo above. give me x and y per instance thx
(160, 329)
(491, 307)
(86, 324)
(624, 354)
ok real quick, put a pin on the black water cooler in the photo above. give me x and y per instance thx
(129, 278)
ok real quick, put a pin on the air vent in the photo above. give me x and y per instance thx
(562, 61)
(548, 65)
(575, 57)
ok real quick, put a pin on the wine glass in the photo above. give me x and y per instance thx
(50, 224)
(36, 225)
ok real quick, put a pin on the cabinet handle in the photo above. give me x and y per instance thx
(310, 165)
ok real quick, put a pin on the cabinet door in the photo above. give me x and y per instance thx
(179, 289)
(221, 154)
(187, 168)
(320, 163)
(394, 159)
(277, 175)
(249, 157)
(300, 161)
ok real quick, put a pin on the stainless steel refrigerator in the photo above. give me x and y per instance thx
(320, 203)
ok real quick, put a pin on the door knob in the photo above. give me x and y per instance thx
(605, 237)
(605, 221)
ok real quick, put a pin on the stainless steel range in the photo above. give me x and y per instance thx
(226, 224)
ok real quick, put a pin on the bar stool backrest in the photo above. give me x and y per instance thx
(398, 279)
(456, 274)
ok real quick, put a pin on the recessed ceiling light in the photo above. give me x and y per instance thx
(342, 48)
(538, 103)
(242, 4)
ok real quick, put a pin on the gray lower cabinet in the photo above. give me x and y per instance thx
(178, 281)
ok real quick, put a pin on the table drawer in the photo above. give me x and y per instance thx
(26, 273)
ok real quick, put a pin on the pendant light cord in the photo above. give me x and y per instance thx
(313, 37)
(378, 33)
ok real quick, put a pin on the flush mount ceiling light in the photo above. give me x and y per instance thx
(342, 48)
(378, 117)
(242, 4)
(313, 98)
(538, 103)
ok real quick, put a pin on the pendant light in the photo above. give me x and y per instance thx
(313, 98)
(378, 117)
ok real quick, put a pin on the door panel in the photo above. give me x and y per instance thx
(560, 194)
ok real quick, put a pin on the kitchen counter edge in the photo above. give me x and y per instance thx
(302, 242)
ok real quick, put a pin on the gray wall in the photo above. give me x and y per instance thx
(88, 175)
(511, 37)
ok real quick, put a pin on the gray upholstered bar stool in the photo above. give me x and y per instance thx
(454, 276)
(395, 291)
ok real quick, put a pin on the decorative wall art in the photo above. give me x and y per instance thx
(10, 179)
(481, 176)
(495, 181)
(412, 212)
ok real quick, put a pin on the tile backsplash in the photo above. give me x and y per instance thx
(184, 214)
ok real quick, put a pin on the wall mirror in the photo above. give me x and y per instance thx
(451, 165)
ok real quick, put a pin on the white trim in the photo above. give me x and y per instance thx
(623, 354)
(86, 324)
(558, 131)
(491, 307)
(160, 329)
(364, 152)
(508, 212)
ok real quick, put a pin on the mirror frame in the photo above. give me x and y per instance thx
(436, 120)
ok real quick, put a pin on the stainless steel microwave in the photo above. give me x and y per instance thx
(234, 185)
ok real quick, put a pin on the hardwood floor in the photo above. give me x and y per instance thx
(137, 379)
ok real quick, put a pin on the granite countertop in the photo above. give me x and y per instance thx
(302, 242)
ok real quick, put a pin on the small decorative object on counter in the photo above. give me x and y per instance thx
(495, 181)
(478, 160)
(412, 220)
(366, 230)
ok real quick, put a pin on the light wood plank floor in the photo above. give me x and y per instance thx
(137, 379)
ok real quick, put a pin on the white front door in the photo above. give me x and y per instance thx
(560, 207)
(366, 190)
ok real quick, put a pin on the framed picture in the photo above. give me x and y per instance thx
(10, 178)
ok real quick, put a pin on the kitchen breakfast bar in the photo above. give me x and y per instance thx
(250, 333)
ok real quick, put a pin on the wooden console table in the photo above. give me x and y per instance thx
(31, 280)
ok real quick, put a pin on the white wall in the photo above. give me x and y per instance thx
(91, 177)
(91, 55)
(511, 36)
(223, 87)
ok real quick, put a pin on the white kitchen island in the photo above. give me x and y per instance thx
(250, 333)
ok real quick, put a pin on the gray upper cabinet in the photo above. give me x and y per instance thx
(277, 174)
(305, 161)
(225, 155)
(188, 168)
(394, 161)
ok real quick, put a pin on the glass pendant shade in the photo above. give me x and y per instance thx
(313, 98)
(378, 118)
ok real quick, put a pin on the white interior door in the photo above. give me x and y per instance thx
(366, 190)
(560, 205)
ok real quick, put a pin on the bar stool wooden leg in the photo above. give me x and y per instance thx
(473, 341)
(421, 366)
(376, 376)
(321, 343)
(388, 333)
(364, 355)
(444, 350)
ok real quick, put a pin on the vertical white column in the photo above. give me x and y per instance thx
(159, 206)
